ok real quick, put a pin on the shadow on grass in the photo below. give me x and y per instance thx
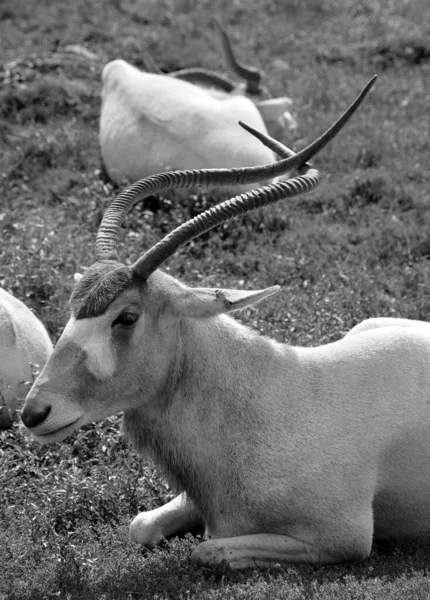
(95, 561)
(168, 573)
(387, 54)
(118, 570)
(38, 101)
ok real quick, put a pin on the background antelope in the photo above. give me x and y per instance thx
(153, 122)
(274, 111)
(285, 454)
(24, 349)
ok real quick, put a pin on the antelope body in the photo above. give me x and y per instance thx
(379, 322)
(152, 122)
(284, 454)
(24, 346)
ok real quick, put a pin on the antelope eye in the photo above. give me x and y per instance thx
(126, 319)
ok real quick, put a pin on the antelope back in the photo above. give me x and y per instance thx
(153, 123)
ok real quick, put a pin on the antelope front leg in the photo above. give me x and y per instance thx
(176, 517)
(262, 550)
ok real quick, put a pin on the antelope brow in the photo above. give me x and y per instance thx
(99, 287)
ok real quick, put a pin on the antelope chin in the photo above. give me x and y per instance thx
(59, 434)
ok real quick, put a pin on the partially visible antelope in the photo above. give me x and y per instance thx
(378, 322)
(25, 347)
(152, 122)
(274, 111)
(285, 454)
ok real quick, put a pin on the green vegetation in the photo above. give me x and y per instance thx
(357, 247)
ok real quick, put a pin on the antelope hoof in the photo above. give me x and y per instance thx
(209, 554)
(145, 531)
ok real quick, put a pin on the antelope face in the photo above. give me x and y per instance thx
(123, 353)
(102, 364)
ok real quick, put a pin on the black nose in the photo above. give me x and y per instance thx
(32, 416)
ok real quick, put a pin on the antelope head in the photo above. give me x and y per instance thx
(117, 351)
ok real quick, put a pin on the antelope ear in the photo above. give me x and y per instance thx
(199, 303)
(274, 108)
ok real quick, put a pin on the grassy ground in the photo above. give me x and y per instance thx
(357, 247)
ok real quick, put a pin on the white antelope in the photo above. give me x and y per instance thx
(378, 322)
(25, 347)
(285, 454)
(274, 111)
(152, 122)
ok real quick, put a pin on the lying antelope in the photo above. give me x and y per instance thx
(285, 454)
(274, 111)
(378, 322)
(24, 347)
(152, 122)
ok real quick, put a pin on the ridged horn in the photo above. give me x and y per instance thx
(203, 77)
(239, 205)
(150, 64)
(271, 143)
(195, 75)
(107, 236)
(251, 75)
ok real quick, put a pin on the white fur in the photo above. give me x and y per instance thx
(378, 322)
(151, 123)
(286, 454)
(24, 349)
(95, 342)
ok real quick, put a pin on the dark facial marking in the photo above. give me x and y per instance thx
(101, 284)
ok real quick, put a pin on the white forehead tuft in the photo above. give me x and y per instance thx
(93, 336)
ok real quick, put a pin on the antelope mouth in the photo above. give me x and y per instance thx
(59, 434)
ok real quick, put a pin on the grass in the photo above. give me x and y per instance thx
(357, 247)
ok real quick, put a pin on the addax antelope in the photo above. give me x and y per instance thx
(153, 122)
(285, 454)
